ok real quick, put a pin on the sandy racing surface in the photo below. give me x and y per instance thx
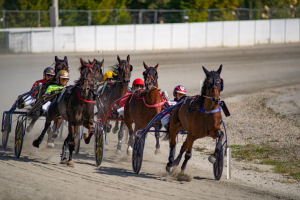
(247, 73)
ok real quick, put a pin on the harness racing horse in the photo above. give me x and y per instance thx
(142, 109)
(200, 117)
(112, 92)
(79, 110)
(59, 65)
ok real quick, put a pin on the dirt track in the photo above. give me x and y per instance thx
(37, 174)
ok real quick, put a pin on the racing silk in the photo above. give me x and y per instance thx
(37, 83)
(53, 89)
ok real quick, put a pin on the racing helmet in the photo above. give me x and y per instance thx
(109, 74)
(138, 81)
(48, 70)
(179, 89)
(62, 74)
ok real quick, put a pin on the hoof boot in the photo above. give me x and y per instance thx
(70, 163)
(36, 143)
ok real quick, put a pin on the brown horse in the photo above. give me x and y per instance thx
(58, 65)
(200, 117)
(111, 93)
(142, 109)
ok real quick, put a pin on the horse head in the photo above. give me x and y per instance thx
(150, 76)
(61, 64)
(98, 72)
(124, 70)
(86, 77)
(213, 85)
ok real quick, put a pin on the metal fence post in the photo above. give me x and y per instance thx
(208, 15)
(250, 14)
(89, 18)
(116, 18)
(39, 18)
(155, 17)
(183, 17)
(141, 16)
(3, 18)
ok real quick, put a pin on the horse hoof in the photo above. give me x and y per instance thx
(118, 152)
(168, 169)
(85, 136)
(129, 151)
(50, 145)
(64, 161)
(29, 129)
(212, 159)
(70, 163)
(157, 152)
(36, 143)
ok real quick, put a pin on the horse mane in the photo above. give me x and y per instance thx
(115, 68)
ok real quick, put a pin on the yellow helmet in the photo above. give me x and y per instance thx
(109, 74)
(62, 74)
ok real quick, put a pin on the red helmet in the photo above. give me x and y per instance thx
(179, 89)
(138, 81)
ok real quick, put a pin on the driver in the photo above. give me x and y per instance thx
(47, 75)
(62, 79)
(108, 79)
(179, 93)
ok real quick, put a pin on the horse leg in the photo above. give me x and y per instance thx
(63, 155)
(56, 126)
(71, 143)
(116, 128)
(188, 154)
(212, 158)
(87, 137)
(36, 143)
(182, 150)
(33, 120)
(128, 122)
(120, 138)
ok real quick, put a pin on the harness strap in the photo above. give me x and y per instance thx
(211, 111)
(83, 99)
(154, 105)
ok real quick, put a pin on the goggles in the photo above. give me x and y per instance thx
(49, 75)
(139, 86)
(64, 79)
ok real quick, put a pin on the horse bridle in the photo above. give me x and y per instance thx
(86, 72)
(94, 74)
(151, 71)
(215, 82)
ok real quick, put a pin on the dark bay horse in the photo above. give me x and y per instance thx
(113, 92)
(58, 65)
(200, 117)
(142, 109)
(79, 109)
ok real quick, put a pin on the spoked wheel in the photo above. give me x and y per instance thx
(99, 146)
(137, 154)
(78, 138)
(19, 136)
(5, 133)
(218, 165)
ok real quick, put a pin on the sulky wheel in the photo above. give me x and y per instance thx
(218, 165)
(78, 138)
(137, 154)
(19, 136)
(99, 146)
(5, 132)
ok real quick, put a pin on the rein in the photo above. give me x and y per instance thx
(153, 105)
(83, 99)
